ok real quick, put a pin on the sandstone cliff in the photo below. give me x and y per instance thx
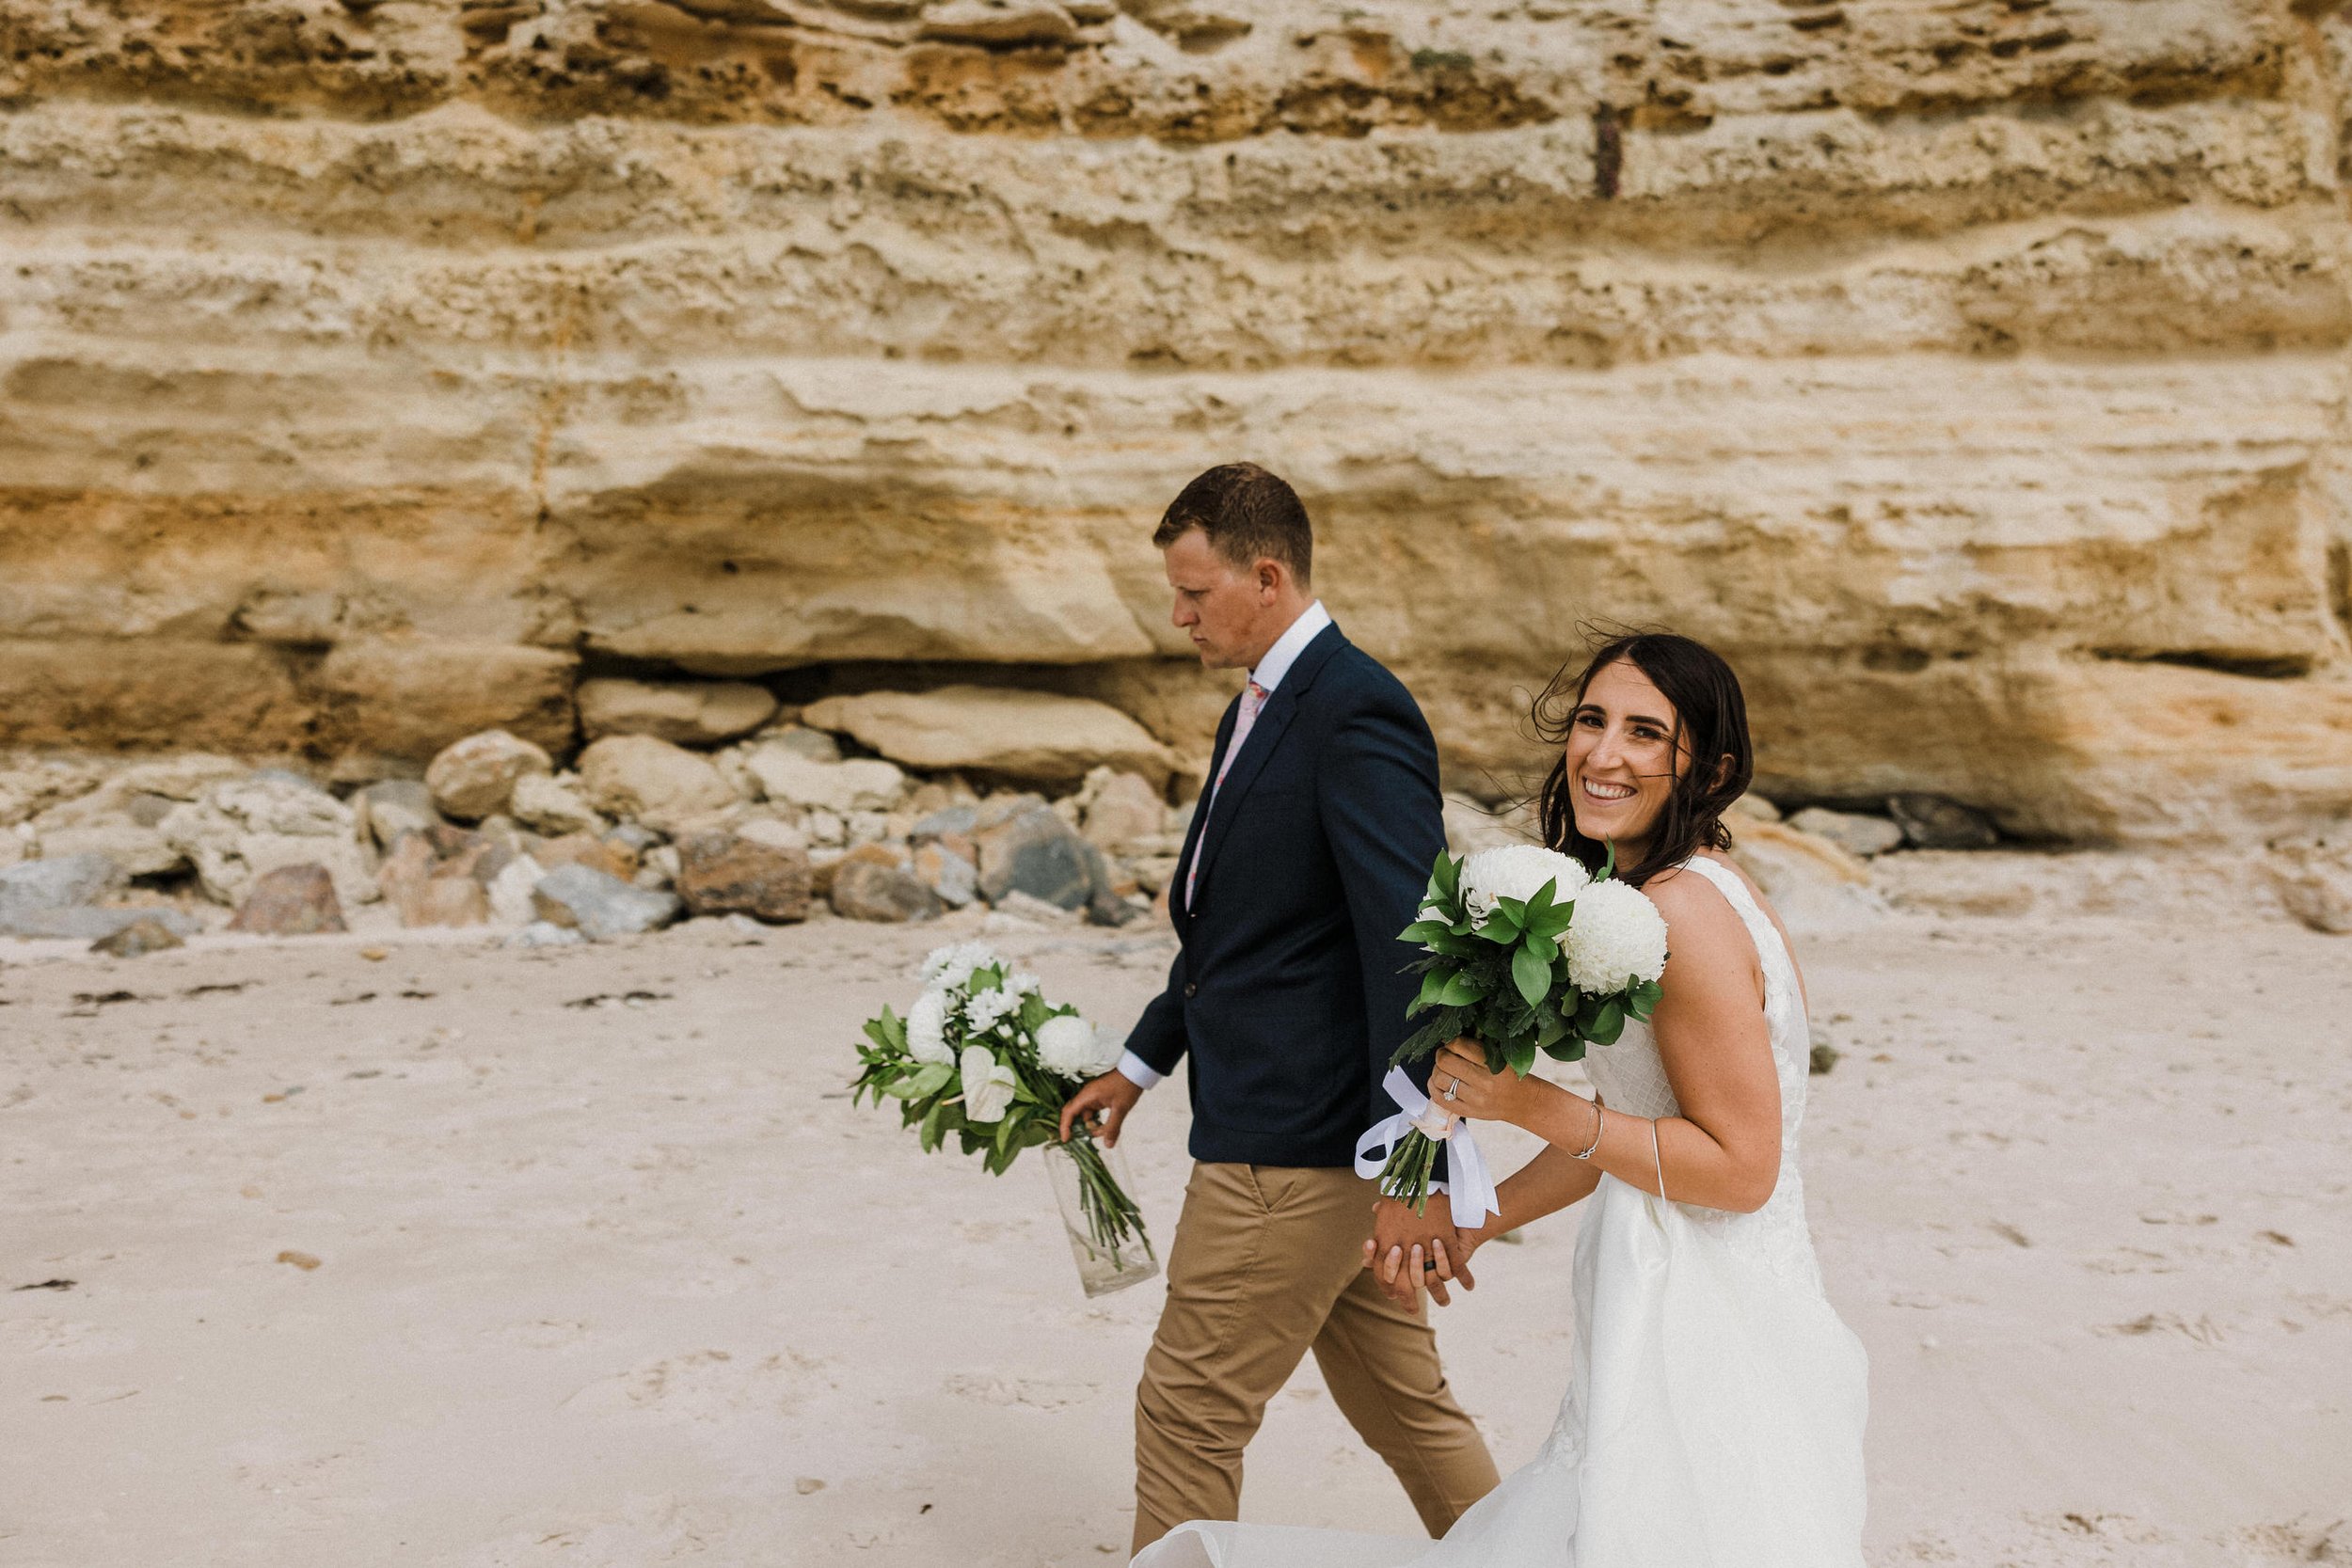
(1973, 373)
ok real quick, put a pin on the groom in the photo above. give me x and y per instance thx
(1307, 856)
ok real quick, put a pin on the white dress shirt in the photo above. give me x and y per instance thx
(1268, 674)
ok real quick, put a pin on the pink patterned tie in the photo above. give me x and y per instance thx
(1251, 701)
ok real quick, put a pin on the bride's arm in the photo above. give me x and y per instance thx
(1724, 1151)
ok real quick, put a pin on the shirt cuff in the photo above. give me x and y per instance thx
(1136, 1070)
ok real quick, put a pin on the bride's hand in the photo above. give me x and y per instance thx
(1476, 1093)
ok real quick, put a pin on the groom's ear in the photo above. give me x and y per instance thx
(1271, 574)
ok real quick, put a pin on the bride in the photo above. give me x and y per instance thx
(1714, 1412)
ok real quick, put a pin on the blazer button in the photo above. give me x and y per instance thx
(1191, 989)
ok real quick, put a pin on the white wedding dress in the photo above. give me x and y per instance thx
(1714, 1415)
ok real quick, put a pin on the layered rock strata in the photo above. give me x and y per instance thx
(372, 374)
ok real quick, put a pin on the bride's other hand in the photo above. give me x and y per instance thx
(1475, 1092)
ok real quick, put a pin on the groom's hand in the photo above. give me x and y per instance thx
(1411, 1252)
(1102, 1104)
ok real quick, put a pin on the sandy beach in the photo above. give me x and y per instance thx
(385, 1250)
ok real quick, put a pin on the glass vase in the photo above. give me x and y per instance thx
(1105, 1230)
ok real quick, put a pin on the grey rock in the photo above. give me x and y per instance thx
(635, 837)
(956, 879)
(1039, 854)
(545, 933)
(393, 807)
(1933, 822)
(1863, 836)
(952, 822)
(136, 940)
(601, 906)
(815, 745)
(34, 891)
(872, 890)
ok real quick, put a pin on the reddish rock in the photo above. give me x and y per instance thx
(742, 873)
(291, 901)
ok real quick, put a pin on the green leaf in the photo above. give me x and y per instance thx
(1531, 970)
(1607, 1026)
(1609, 866)
(1550, 1028)
(1460, 989)
(1445, 878)
(934, 1077)
(1521, 1054)
(933, 1124)
(1425, 933)
(1432, 986)
(1569, 1049)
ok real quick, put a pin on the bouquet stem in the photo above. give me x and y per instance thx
(1106, 1228)
(1405, 1177)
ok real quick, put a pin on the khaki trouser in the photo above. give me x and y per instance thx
(1268, 1262)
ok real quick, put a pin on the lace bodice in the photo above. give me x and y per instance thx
(1631, 1078)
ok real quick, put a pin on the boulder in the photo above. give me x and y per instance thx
(1753, 805)
(615, 858)
(1863, 836)
(147, 934)
(291, 901)
(1121, 812)
(444, 877)
(815, 745)
(41, 898)
(652, 781)
(476, 776)
(2314, 876)
(687, 712)
(553, 805)
(1000, 23)
(957, 821)
(996, 730)
(1469, 826)
(600, 907)
(1814, 883)
(875, 890)
(1932, 822)
(245, 828)
(862, 784)
(384, 811)
(1035, 852)
(950, 875)
(122, 818)
(761, 868)
(509, 891)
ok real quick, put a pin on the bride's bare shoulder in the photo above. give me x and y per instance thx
(1696, 913)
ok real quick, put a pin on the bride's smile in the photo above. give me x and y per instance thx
(1621, 757)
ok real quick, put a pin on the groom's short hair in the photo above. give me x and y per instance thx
(1247, 514)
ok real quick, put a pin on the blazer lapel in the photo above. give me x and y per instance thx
(1179, 906)
(1259, 744)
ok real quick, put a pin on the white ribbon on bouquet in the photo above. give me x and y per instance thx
(1468, 1186)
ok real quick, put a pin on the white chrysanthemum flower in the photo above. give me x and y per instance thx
(984, 1009)
(927, 1028)
(1618, 938)
(988, 1086)
(1518, 871)
(1066, 1046)
(1022, 983)
(950, 967)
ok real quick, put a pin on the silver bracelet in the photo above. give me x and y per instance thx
(1601, 1125)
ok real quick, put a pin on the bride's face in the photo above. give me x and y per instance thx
(1622, 757)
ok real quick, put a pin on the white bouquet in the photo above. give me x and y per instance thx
(1527, 952)
(983, 1057)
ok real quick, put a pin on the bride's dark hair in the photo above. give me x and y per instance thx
(1710, 724)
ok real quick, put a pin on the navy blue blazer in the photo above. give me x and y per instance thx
(1287, 997)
